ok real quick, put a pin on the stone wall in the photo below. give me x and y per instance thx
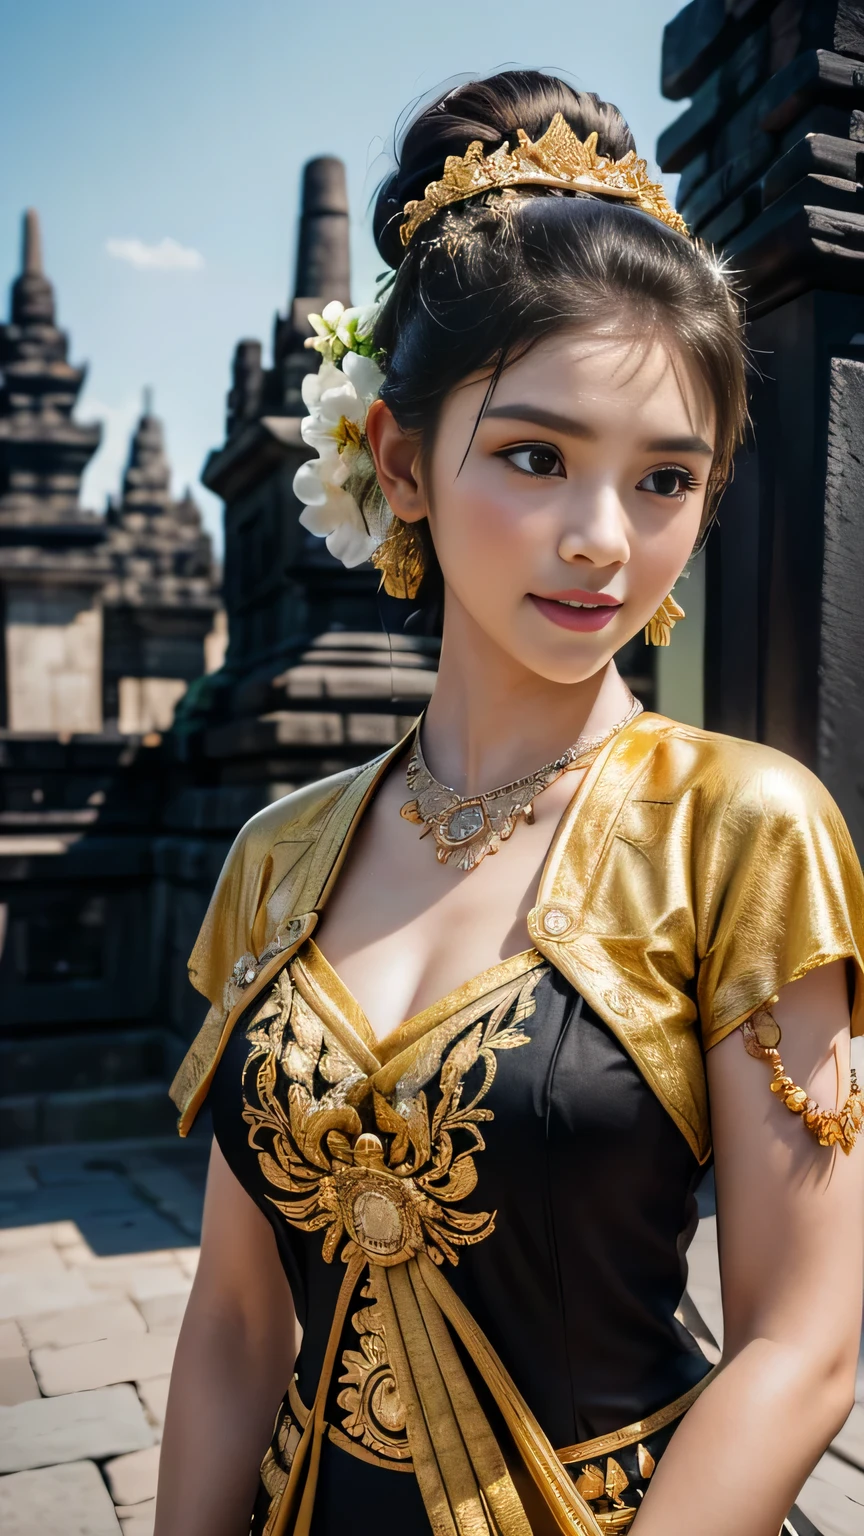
(771, 159)
(53, 644)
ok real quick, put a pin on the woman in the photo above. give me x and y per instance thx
(477, 1194)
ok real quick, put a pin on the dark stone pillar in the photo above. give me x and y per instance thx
(770, 154)
(247, 380)
(323, 262)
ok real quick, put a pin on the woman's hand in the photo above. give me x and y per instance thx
(233, 1363)
(791, 1236)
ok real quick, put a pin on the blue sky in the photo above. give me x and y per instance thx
(189, 121)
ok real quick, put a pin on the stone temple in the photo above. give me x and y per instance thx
(105, 619)
(52, 562)
(162, 616)
(113, 827)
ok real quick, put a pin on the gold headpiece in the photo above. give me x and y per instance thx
(558, 159)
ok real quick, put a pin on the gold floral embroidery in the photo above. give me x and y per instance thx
(276, 1466)
(394, 1191)
(364, 1158)
(267, 1026)
(645, 1461)
(591, 1482)
(603, 1492)
(375, 1411)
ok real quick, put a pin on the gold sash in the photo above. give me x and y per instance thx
(463, 1477)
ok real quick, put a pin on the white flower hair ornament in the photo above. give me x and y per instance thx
(338, 398)
(344, 504)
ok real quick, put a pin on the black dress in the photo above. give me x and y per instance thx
(484, 1217)
(567, 1249)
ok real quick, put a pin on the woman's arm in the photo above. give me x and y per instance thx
(233, 1364)
(791, 1235)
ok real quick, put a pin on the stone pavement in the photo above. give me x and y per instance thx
(97, 1255)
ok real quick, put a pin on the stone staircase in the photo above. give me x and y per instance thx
(102, 1085)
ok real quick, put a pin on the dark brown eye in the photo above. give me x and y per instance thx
(536, 459)
(670, 481)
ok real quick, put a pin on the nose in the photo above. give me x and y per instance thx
(596, 530)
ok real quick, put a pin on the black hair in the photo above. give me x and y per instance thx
(484, 280)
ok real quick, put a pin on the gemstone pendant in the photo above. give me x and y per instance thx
(464, 835)
(464, 823)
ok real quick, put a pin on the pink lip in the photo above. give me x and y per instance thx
(578, 595)
(587, 620)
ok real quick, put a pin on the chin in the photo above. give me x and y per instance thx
(570, 676)
(569, 664)
(560, 656)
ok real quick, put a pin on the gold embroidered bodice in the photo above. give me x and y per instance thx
(316, 1078)
(326, 1163)
(372, 1147)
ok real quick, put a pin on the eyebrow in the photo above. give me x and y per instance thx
(572, 428)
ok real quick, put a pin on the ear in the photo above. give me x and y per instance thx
(397, 463)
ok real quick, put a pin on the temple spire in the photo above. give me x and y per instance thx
(322, 273)
(43, 450)
(323, 258)
(147, 481)
(31, 244)
(32, 294)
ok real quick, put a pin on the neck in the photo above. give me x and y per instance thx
(491, 720)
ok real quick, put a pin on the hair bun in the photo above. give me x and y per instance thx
(490, 110)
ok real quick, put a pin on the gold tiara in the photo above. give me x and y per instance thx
(558, 159)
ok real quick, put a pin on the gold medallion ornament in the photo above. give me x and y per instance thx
(558, 159)
(466, 828)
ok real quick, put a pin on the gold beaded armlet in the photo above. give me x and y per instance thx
(831, 1127)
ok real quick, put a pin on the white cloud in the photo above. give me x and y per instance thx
(166, 255)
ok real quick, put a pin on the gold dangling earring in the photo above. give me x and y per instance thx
(399, 558)
(659, 628)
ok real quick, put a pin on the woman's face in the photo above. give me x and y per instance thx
(579, 501)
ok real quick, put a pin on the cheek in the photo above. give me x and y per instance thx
(482, 519)
(661, 543)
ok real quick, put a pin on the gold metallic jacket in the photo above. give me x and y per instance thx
(692, 877)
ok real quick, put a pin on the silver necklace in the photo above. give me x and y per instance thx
(466, 828)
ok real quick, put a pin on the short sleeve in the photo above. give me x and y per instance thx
(239, 922)
(226, 934)
(227, 931)
(779, 892)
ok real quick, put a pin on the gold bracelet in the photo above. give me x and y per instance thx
(831, 1127)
